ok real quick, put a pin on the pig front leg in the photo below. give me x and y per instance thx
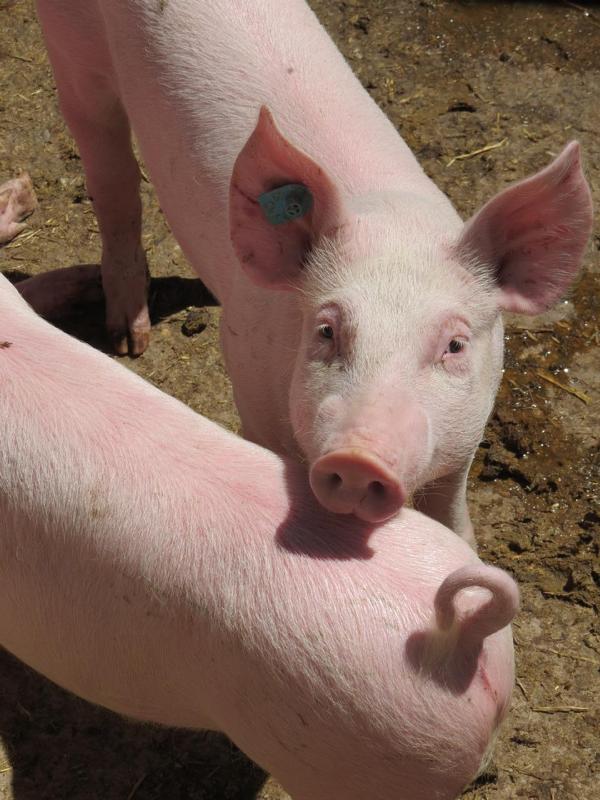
(99, 124)
(17, 202)
(103, 135)
(445, 500)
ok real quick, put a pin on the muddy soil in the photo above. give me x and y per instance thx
(484, 93)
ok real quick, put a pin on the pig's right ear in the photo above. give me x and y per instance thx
(272, 248)
(533, 234)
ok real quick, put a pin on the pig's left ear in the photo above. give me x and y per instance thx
(273, 231)
(533, 234)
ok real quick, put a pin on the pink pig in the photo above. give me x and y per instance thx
(365, 335)
(160, 566)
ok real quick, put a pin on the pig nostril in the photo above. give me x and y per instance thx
(335, 480)
(378, 489)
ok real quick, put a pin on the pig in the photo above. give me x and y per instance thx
(162, 567)
(17, 202)
(361, 321)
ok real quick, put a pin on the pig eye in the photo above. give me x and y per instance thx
(325, 331)
(454, 349)
(456, 346)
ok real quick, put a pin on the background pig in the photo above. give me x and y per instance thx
(17, 202)
(364, 336)
(189, 589)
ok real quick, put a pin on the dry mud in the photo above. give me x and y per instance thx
(455, 78)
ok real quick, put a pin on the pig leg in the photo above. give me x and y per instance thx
(445, 500)
(102, 132)
(93, 111)
(17, 201)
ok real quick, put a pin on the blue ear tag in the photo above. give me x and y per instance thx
(286, 203)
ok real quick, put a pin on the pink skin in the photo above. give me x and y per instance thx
(381, 244)
(338, 480)
(168, 570)
(17, 202)
(373, 442)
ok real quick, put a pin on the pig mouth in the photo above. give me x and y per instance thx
(353, 480)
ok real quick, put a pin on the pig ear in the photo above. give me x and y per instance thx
(271, 250)
(533, 234)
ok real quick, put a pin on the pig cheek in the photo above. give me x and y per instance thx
(301, 413)
(327, 421)
(305, 391)
(476, 400)
(454, 428)
(422, 456)
(316, 414)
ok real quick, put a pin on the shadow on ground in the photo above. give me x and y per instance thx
(80, 310)
(81, 751)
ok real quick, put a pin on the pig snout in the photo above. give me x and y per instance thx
(371, 456)
(354, 481)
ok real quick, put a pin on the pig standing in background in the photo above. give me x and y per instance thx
(364, 333)
(160, 566)
(17, 202)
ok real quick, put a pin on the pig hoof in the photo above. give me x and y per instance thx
(138, 342)
(17, 201)
(120, 343)
(132, 343)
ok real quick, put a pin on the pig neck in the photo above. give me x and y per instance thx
(260, 337)
(289, 64)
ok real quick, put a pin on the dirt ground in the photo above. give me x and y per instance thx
(516, 80)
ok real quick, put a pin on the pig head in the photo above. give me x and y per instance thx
(393, 372)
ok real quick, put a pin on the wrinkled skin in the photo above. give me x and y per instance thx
(351, 662)
(378, 362)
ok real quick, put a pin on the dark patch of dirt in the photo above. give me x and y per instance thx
(454, 78)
